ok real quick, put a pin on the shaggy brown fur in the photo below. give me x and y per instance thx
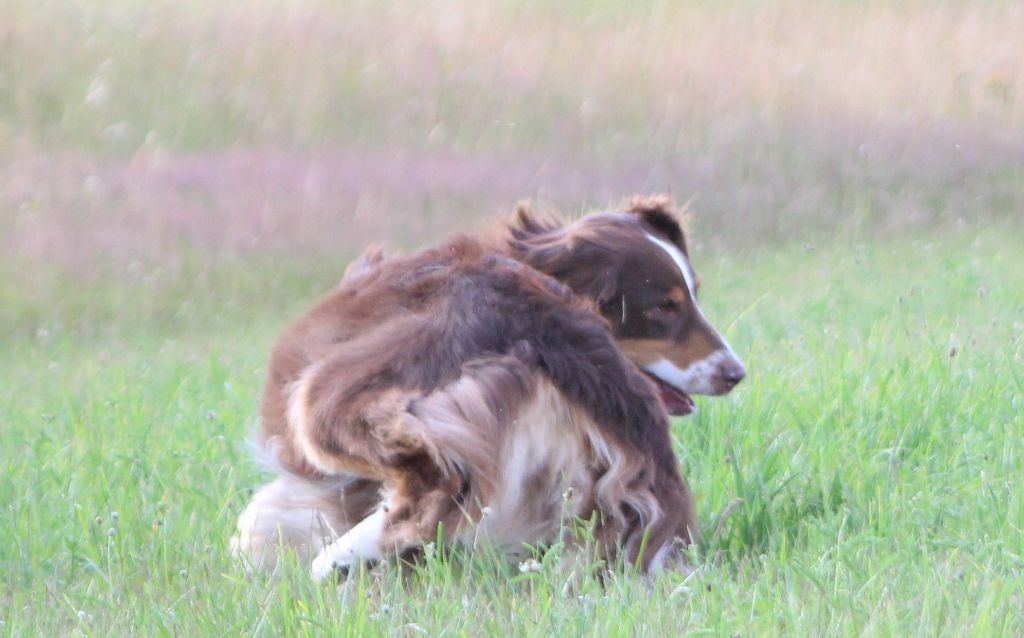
(470, 385)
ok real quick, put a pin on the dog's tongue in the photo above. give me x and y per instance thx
(677, 402)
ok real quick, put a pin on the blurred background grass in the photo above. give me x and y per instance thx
(132, 131)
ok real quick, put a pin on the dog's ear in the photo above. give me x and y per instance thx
(547, 246)
(539, 242)
(656, 211)
(527, 223)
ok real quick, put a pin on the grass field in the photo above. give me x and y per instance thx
(179, 179)
(877, 447)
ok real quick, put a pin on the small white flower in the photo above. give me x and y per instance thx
(115, 516)
(529, 565)
(112, 532)
(183, 573)
(82, 616)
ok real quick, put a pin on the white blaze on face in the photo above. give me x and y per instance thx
(698, 377)
(681, 261)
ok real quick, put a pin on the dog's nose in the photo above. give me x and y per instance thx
(732, 372)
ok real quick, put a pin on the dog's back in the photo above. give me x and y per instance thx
(378, 310)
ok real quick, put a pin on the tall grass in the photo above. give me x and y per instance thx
(590, 77)
(131, 129)
(872, 461)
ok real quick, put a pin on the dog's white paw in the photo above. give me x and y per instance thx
(361, 543)
(331, 561)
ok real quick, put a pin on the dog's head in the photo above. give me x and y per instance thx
(635, 266)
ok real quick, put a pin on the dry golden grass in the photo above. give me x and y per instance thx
(582, 74)
(300, 124)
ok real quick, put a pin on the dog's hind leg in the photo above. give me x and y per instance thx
(407, 517)
(299, 514)
(445, 469)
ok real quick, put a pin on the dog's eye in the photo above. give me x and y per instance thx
(667, 305)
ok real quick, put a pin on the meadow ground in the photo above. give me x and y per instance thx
(179, 179)
(877, 449)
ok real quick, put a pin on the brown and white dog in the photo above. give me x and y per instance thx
(477, 384)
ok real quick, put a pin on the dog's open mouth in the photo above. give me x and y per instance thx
(677, 402)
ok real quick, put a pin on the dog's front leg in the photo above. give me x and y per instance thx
(361, 544)
(409, 516)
